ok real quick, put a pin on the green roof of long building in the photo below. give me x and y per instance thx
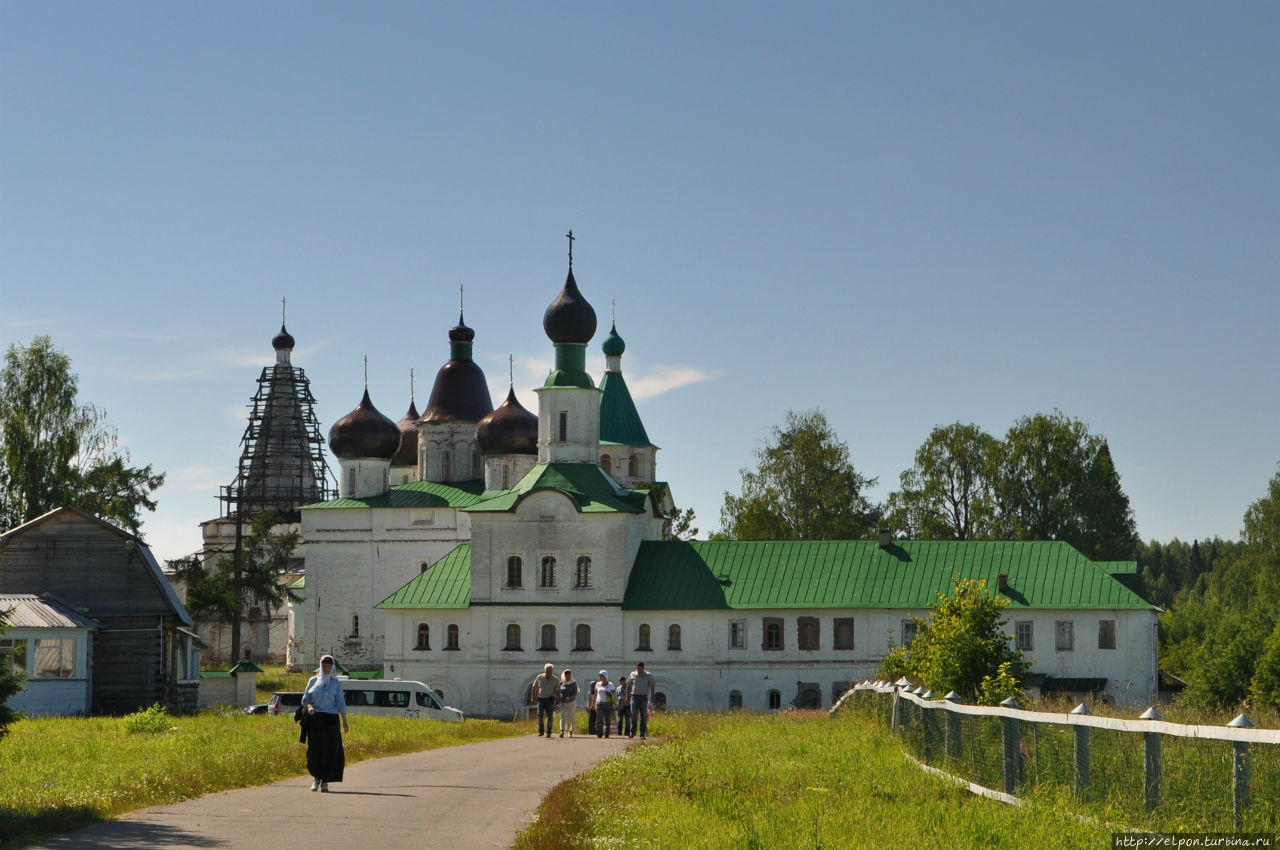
(703, 575)
(619, 419)
(445, 584)
(415, 494)
(585, 484)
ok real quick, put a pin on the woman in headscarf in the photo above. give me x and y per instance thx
(324, 704)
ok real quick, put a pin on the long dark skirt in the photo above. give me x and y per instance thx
(325, 756)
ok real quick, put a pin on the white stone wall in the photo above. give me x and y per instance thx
(582, 424)
(447, 452)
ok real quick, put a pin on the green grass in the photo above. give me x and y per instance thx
(61, 774)
(799, 780)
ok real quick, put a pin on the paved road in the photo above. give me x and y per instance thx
(471, 796)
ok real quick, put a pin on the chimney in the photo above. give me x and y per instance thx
(1002, 582)
(886, 539)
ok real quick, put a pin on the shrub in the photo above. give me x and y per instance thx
(150, 720)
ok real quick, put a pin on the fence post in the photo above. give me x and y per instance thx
(1012, 747)
(1240, 772)
(929, 720)
(953, 730)
(894, 715)
(1082, 755)
(1151, 761)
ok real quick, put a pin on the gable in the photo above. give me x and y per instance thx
(445, 584)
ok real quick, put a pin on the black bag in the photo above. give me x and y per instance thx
(299, 713)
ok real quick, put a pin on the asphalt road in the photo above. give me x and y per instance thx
(471, 796)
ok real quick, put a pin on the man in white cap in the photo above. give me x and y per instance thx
(544, 691)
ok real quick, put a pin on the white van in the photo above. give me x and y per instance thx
(396, 698)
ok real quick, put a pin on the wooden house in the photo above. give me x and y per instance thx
(144, 651)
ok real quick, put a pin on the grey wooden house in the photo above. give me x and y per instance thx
(144, 651)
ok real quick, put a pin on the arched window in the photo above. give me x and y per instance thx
(355, 625)
(451, 639)
(582, 577)
(424, 636)
(564, 426)
(634, 466)
(606, 463)
(582, 637)
(547, 575)
(514, 565)
(643, 640)
(775, 700)
(548, 639)
(673, 638)
(735, 699)
(513, 636)
(423, 567)
(772, 633)
(810, 696)
(446, 465)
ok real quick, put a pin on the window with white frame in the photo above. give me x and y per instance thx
(1064, 637)
(582, 575)
(909, 629)
(515, 566)
(737, 634)
(772, 633)
(16, 648)
(547, 573)
(424, 636)
(1023, 636)
(53, 658)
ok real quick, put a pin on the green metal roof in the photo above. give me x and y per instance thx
(619, 419)
(1119, 567)
(584, 483)
(702, 575)
(415, 494)
(445, 584)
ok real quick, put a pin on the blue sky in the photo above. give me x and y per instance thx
(904, 214)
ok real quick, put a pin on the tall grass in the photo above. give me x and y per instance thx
(61, 774)
(799, 780)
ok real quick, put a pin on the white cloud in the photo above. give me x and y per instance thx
(666, 379)
(196, 478)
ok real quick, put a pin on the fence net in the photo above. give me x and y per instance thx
(1196, 774)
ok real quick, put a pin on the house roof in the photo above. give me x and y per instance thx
(415, 494)
(445, 584)
(585, 484)
(860, 574)
(29, 611)
(619, 420)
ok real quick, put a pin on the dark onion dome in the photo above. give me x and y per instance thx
(460, 393)
(509, 430)
(569, 318)
(364, 432)
(613, 344)
(407, 455)
(282, 341)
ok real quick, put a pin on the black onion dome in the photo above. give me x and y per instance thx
(282, 341)
(460, 332)
(364, 432)
(460, 394)
(509, 430)
(407, 455)
(569, 318)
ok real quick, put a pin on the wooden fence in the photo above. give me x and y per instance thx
(1032, 750)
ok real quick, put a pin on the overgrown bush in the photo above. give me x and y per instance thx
(150, 720)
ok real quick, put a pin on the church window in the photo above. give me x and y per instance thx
(547, 575)
(673, 638)
(737, 634)
(634, 466)
(351, 480)
(446, 466)
(424, 636)
(514, 565)
(355, 625)
(513, 637)
(735, 699)
(582, 638)
(775, 700)
(564, 425)
(548, 639)
(772, 633)
(807, 633)
(582, 577)
(506, 477)
(477, 466)
(606, 463)
(643, 638)
(842, 632)
(451, 637)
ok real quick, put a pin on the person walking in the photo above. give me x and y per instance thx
(643, 688)
(568, 696)
(324, 704)
(624, 705)
(604, 693)
(543, 691)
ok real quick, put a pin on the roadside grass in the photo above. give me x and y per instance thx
(798, 779)
(62, 774)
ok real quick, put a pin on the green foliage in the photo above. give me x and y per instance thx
(948, 494)
(1004, 685)
(148, 721)
(803, 488)
(1057, 481)
(1266, 678)
(11, 682)
(894, 665)
(960, 645)
(1168, 569)
(679, 524)
(212, 593)
(56, 452)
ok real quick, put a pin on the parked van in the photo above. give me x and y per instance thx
(396, 698)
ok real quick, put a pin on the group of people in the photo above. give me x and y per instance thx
(625, 702)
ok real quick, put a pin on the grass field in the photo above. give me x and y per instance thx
(61, 774)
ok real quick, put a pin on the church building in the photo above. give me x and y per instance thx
(519, 539)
